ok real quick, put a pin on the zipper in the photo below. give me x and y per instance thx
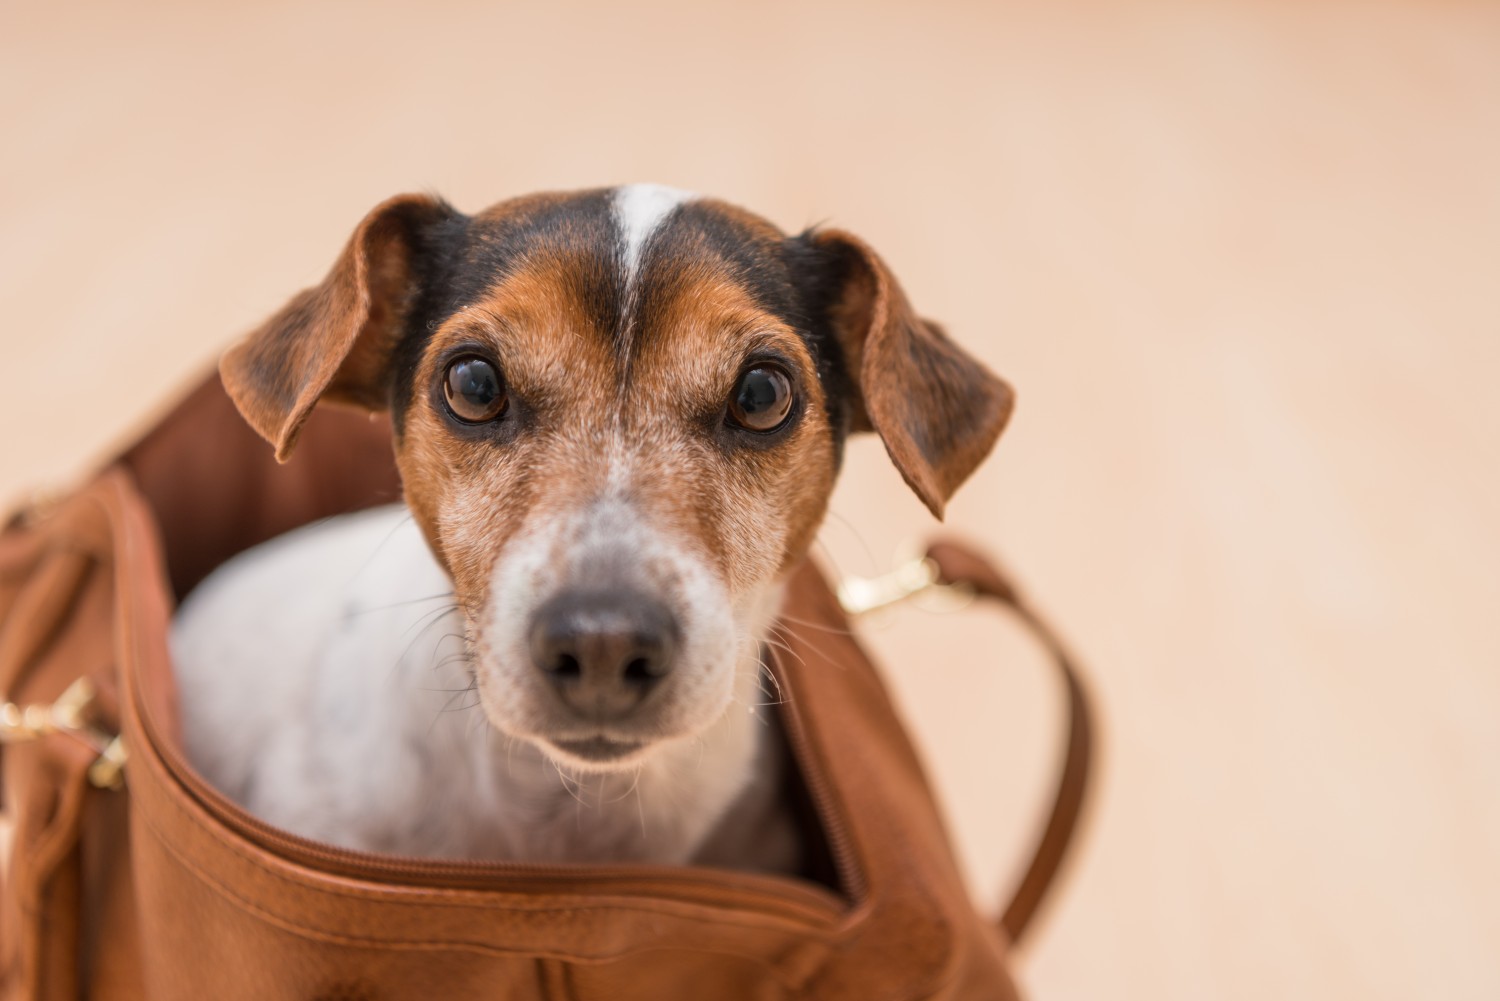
(799, 898)
(830, 816)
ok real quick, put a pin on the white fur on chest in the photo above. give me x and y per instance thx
(324, 686)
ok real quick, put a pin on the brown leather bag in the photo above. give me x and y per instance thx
(129, 877)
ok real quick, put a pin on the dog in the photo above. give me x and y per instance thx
(617, 415)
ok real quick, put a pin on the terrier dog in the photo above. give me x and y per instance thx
(618, 415)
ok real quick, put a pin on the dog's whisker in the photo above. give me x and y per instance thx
(433, 619)
(788, 652)
(426, 619)
(815, 626)
(459, 657)
(458, 694)
(401, 523)
(568, 781)
(760, 683)
(635, 787)
(776, 643)
(763, 673)
(772, 699)
(371, 609)
(750, 708)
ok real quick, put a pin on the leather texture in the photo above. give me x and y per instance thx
(165, 890)
(960, 565)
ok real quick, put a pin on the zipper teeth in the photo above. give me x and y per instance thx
(482, 875)
(840, 843)
(354, 862)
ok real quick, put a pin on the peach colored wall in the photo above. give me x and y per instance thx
(1242, 262)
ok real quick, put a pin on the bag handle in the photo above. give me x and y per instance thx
(959, 568)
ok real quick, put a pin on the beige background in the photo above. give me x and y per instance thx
(1240, 260)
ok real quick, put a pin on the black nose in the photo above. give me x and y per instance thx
(604, 651)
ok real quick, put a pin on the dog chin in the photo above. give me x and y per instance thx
(597, 754)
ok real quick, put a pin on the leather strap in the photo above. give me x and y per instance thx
(960, 565)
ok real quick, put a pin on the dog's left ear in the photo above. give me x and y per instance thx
(937, 410)
(334, 341)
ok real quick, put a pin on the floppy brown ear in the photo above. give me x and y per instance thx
(937, 410)
(334, 341)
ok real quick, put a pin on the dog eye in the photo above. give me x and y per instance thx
(473, 390)
(761, 399)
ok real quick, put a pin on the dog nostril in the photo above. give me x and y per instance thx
(565, 666)
(639, 670)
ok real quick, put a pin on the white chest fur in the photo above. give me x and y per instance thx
(324, 687)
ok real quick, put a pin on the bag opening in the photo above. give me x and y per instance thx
(215, 489)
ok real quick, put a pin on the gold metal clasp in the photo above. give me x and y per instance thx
(916, 576)
(67, 714)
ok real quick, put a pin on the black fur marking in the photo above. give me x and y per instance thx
(464, 257)
(818, 275)
(435, 255)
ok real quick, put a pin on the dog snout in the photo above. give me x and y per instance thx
(603, 652)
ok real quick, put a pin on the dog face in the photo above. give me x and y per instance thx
(618, 416)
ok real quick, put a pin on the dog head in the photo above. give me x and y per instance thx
(618, 416)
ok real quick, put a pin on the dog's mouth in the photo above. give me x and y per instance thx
(599, 750)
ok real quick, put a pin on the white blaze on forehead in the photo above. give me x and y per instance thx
(639, 209)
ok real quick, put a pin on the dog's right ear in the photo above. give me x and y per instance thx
(335, 341)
